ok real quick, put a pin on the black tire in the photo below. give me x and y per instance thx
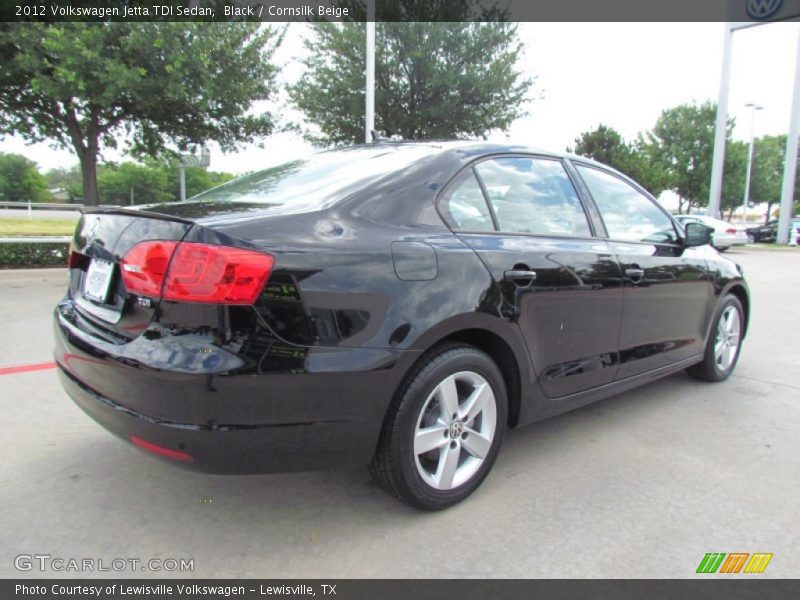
(710, 368)
(721, 248)
(398, 468)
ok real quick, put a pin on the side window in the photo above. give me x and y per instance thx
(628, 214)
(532, 195)
(467, 206)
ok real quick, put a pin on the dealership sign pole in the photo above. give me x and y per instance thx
(720, 133)
(758, 12)
(790, 161)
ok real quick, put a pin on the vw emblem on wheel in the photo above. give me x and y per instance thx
(456, 429)
(763, 9)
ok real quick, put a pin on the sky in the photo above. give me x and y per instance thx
(619, 74)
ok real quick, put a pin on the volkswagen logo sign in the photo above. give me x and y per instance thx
(762, 9)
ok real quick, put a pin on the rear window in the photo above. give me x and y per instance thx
(318, 181)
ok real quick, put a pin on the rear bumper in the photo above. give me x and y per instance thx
(230, 450)
(726, 240)
(234, 422)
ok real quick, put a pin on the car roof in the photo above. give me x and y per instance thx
(471, 149)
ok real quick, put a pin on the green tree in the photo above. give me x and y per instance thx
(197, 180)
(638, 160)
(682, 142)
(604, 145)
(433, 80)
(766, 185)
(163, 85)
(649, 168)
(68, 180)
(151, 182)
(20, 180)
(733, 177)
(131, 183)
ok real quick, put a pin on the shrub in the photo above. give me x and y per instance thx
(32, 254)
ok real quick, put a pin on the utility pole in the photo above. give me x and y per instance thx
(370, 108)
(753, 108)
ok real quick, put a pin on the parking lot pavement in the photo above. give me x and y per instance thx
(27, 298)
(641, 485)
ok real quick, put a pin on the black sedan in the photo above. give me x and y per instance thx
(394, 304)
(769, 232)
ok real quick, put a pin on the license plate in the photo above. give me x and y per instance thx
(98, 280)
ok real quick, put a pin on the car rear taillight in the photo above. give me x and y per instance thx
(144, 267)
(216, 274)
(731, 230)
(193, 272)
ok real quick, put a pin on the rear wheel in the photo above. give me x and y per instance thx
(724, 343)
(442, 434)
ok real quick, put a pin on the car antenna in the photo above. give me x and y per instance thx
(377, 137)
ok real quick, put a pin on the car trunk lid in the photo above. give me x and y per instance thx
(101, 241)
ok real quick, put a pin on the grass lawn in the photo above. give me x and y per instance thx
(14, 227)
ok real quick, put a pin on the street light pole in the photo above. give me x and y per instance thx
(370, 99)
(753, 109)
(182, 180)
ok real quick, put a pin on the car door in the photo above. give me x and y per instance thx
(557, 282)
(770, 232)
(667, 289)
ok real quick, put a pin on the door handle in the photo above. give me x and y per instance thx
(634, 274)
(518, 275)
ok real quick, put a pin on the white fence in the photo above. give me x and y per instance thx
(31, 206)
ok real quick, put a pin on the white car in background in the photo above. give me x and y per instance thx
(725, 234)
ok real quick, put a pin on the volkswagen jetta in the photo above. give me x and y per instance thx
(394, 304)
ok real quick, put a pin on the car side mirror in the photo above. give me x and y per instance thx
(697, 234)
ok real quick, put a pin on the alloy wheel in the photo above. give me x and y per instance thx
(455, 430)
(728, 334)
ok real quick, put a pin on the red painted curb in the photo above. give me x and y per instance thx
(26, 368)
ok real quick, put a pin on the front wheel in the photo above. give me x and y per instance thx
(724, 342)
(444, 430)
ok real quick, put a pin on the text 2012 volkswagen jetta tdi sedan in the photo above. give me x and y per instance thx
(398, 304)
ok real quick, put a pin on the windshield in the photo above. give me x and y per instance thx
(318, 181)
